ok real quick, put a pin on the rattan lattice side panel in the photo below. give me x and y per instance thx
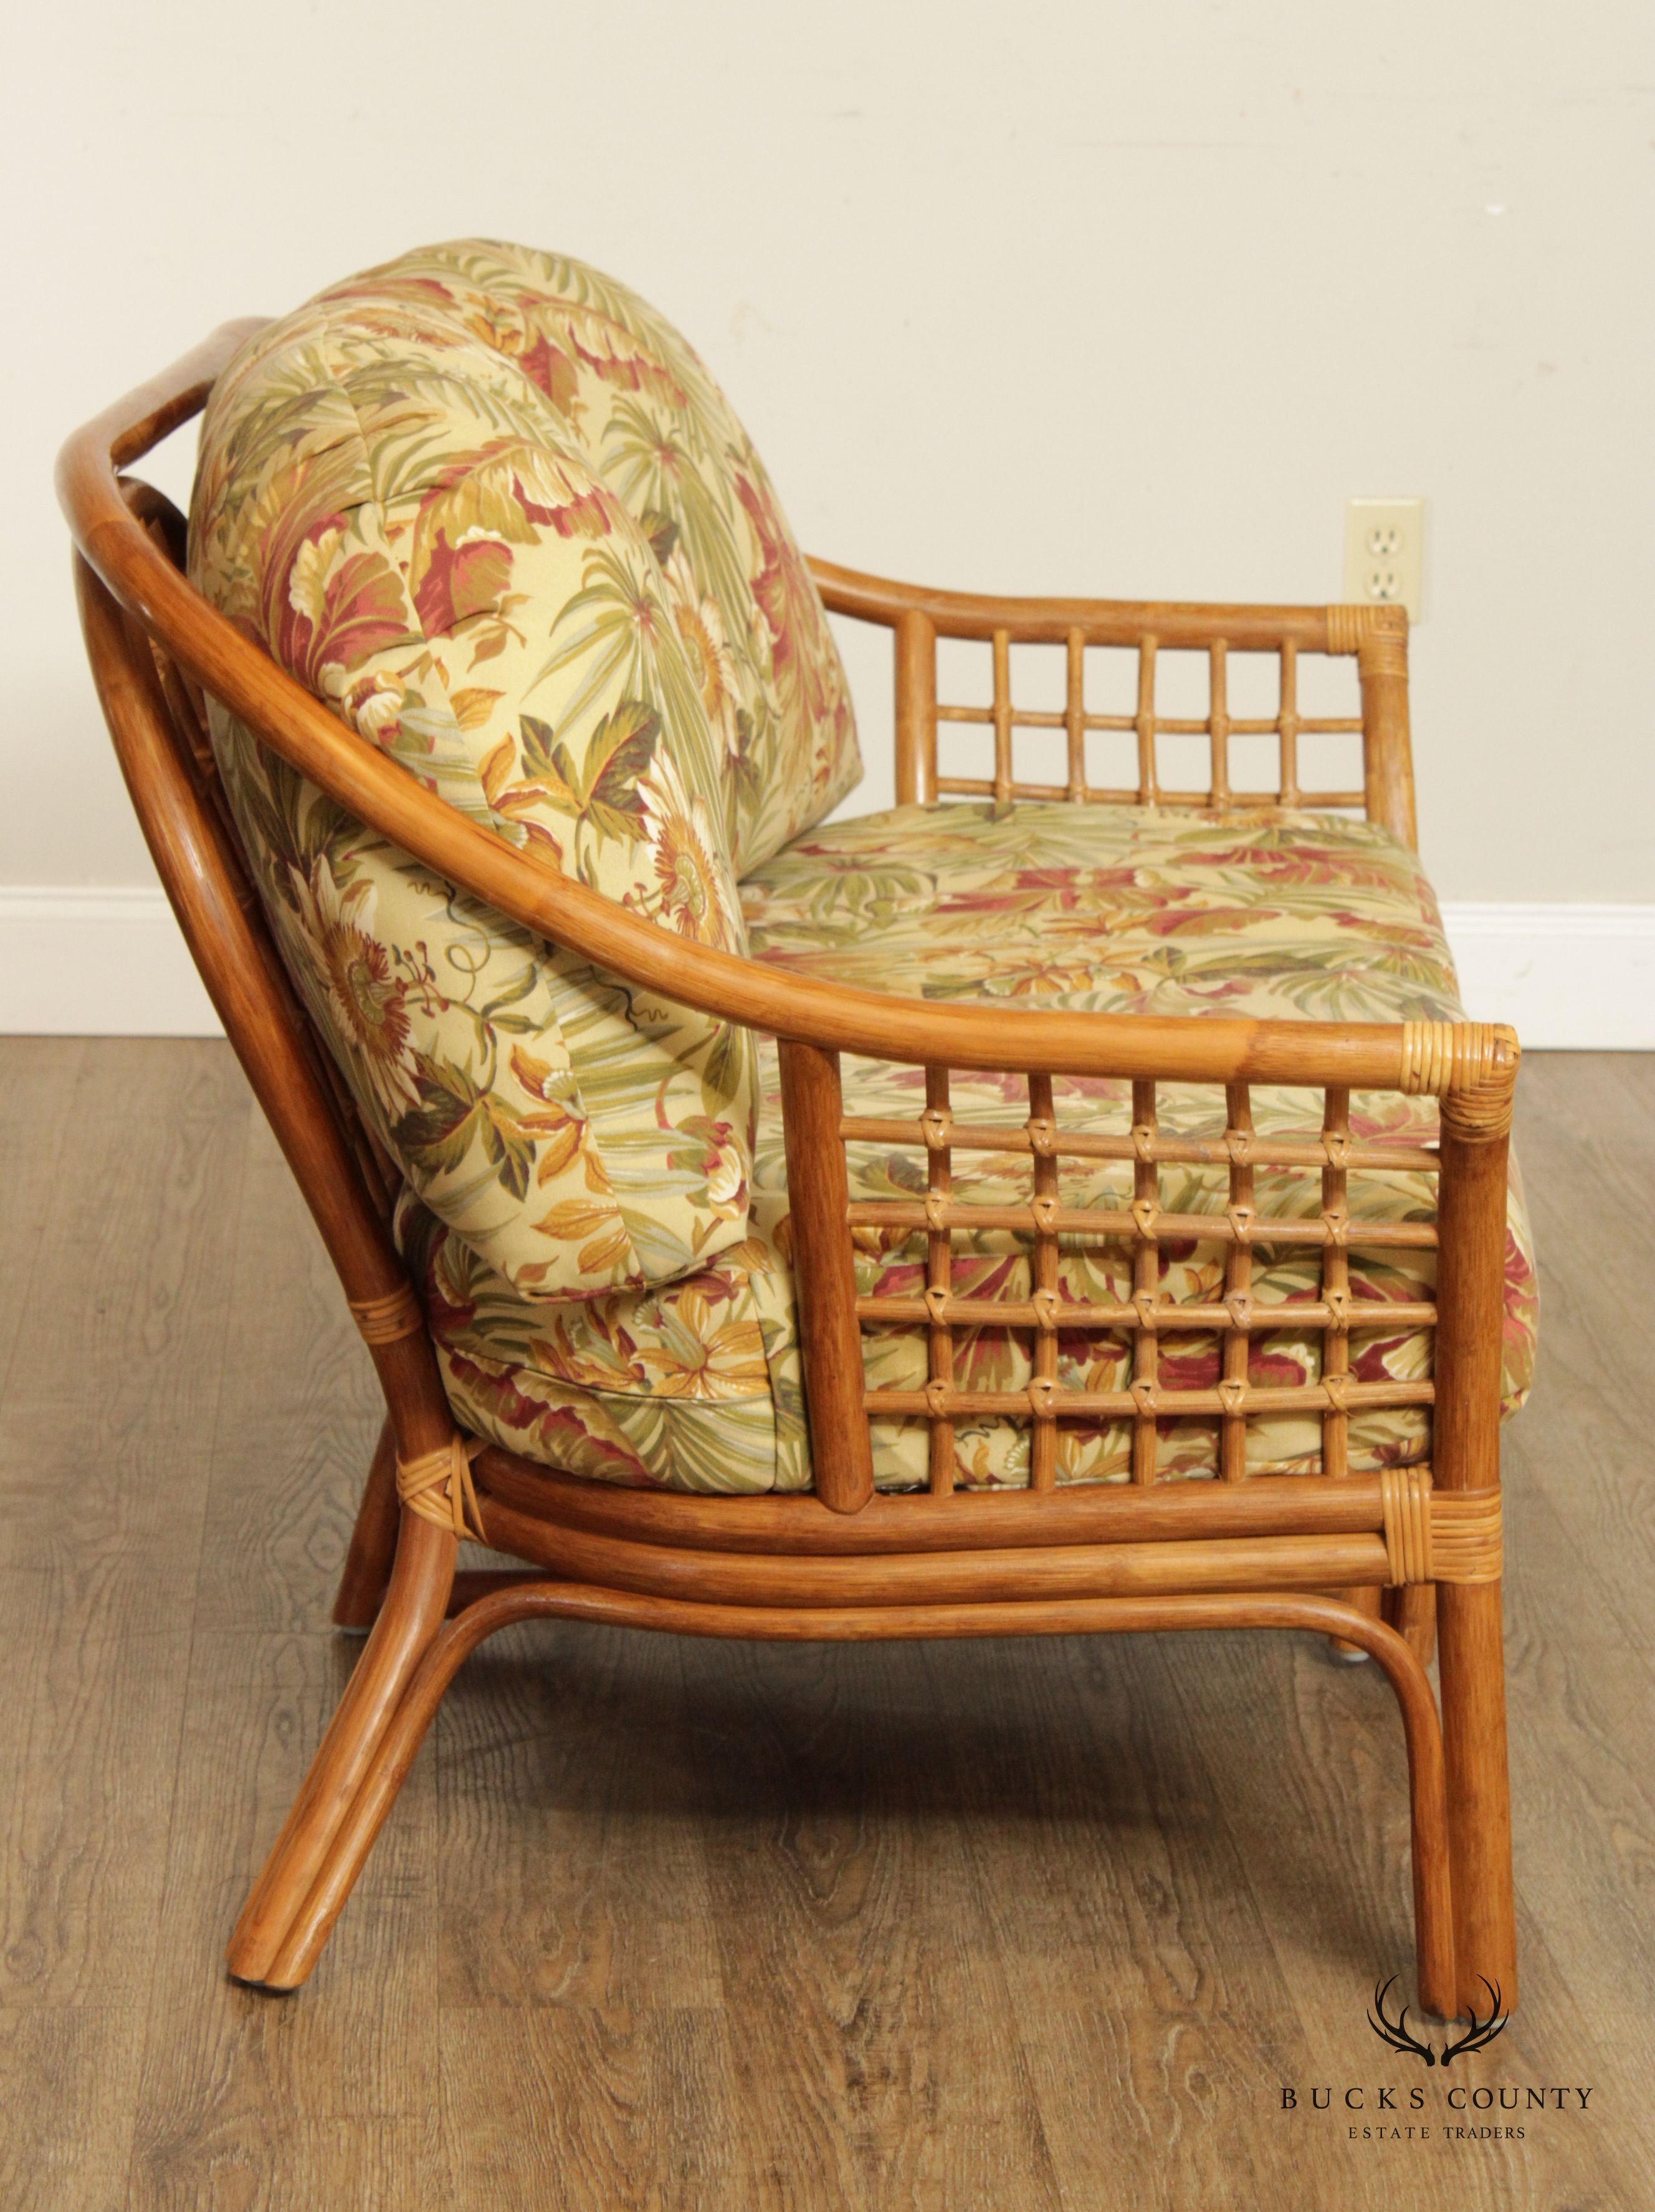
(1283, 1189)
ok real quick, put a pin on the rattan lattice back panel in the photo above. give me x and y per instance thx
(1288, 723)
(1285, 1188)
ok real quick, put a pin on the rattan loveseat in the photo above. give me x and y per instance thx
(1064, 1202)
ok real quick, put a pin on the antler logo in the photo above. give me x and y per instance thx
(1395, 2032)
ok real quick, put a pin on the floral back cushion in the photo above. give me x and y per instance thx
(637, 405)
(400, 509)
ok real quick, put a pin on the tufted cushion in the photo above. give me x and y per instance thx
(697, 1385)
(492, 509)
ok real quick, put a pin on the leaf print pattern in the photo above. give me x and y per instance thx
(637, 406)
(492, 511)
(696, 1385)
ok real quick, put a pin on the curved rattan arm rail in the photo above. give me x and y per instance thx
(1173, 622)
(840, 1562)
(378, 790)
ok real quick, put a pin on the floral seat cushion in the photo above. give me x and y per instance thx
(491, 508)
(696, 1385)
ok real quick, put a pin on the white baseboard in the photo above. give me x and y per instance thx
(1567, 978)
(104, 960)
(110, 962)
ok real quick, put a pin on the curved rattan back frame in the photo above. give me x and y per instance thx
(838, 1017)
(131, 544)
(843, 1562)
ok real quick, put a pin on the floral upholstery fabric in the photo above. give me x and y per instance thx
(492, 509)
(696, 1385)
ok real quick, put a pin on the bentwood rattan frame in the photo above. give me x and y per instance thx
(1357, 1557)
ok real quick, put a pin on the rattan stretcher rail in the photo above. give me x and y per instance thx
(1357, 1557)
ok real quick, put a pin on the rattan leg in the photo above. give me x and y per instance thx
(1473, 1680)
(372, 1542)
(504, 1600)
(1415, 1617)
(1368, 1601)
(398, 1747)
(411, 1617)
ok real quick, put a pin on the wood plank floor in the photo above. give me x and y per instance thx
(679, 1924)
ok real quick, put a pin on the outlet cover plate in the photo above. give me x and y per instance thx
(1384, 554)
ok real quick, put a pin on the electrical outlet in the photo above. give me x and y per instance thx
(1385, 553)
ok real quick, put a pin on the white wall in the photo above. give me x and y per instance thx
(1093, 298)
